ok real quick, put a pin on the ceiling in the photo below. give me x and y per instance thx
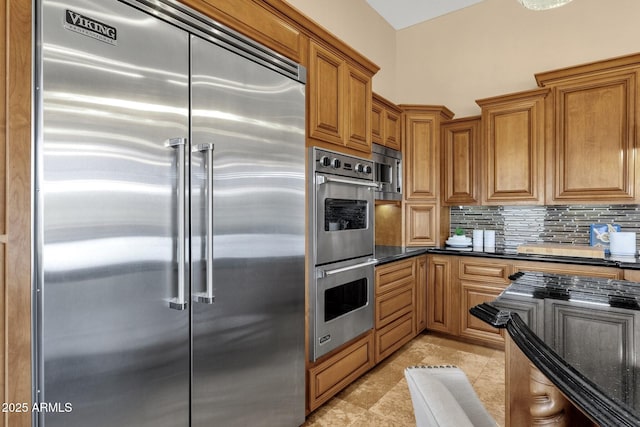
(405, 13)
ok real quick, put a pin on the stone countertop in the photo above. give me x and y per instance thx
(631, 263)
(582, 333)
(386, 254)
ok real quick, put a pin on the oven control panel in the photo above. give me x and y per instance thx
(342, 164)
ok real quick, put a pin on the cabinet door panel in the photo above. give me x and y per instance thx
(608, 334)
(460, 164)
(594, 140)
(421, 177)
(473, 294)
(359, 110)
(392, 130)
(340, 370)
(326, 99)
(441, 302)
(513, 139)
(421, 295)
(377, 123)
(421, 220)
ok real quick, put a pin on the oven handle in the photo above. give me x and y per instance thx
(325, 273)
(321, 179)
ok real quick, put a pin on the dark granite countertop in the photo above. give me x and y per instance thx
(632, 263)
(386, 254)
(583, 333)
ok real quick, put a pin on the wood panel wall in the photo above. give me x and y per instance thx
(15, 207)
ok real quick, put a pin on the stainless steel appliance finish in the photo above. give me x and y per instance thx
(343, 208)
(342, 241)
(342, 303)
(169, 221)
(388, 172)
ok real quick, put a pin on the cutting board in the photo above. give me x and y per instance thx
(559, 249)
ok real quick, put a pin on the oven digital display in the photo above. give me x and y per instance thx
(344, 299)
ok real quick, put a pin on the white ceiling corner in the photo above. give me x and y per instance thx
(405, 13)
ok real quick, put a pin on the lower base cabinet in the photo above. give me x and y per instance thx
(339, 370)
(396, 291)
(393, 336)
(456, 283)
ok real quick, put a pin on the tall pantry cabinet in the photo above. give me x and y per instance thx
(424, 224)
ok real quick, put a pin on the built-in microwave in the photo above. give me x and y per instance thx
(388, 172)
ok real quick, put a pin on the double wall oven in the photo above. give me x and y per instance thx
(342, 244)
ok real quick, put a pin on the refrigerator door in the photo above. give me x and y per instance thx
(248, 344)
(114, 89)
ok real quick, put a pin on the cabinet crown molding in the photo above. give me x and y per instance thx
(511, 97)
(588, 69)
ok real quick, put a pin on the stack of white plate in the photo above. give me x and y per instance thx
(458, 241)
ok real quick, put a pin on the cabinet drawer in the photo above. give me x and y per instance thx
(484, 271)
(332, 375)
(395, 275)
(393, 304)
(393, 336)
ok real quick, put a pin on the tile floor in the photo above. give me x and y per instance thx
(381, 397)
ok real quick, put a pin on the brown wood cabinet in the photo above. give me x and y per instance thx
(421, 295)
(442, 296)
(385, 123)
(460, 167)
(15, 204)
(480, 280)
(422, 151)
(421, 160)
(513, 132)
(394, 309)
(592, 134)
(338, 370)
(456, 283)
(339, 100)
(421, 224)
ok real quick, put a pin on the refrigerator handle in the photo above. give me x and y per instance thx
(207, 296)
(180, 144)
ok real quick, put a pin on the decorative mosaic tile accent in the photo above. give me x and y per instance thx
(516, 225)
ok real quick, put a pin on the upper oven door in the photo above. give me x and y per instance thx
(344, 218)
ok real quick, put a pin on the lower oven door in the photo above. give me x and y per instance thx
(341, 304)
(343, 218)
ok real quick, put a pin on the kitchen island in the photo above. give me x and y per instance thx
(574, 334)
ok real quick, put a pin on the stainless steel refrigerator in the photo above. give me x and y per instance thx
(169, 221)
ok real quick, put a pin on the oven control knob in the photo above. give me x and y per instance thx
(359, 168)
(368, 170)
(325, 161)
(336, 163)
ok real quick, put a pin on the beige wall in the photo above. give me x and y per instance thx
(488, 49)
(496, 47)
(357, 24)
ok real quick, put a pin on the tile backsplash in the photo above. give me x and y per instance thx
(516, 225)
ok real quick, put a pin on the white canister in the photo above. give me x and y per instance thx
(478, 238)
(489, 238)
(622, 243)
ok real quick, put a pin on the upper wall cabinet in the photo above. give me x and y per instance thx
(422, 150)
(385, 123)
(592, 132)
(460, 165)
(339, 100)
(513, 136)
